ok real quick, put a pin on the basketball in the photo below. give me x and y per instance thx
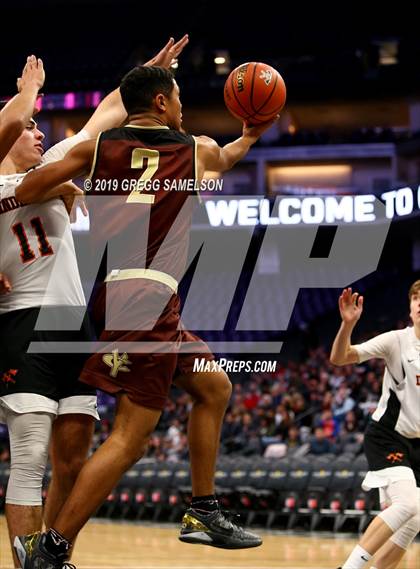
(255, 92)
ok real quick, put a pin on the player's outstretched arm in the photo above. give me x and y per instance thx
(16, 114)
(48, 182)
(213, 157)
(110, 112)
(351, 308)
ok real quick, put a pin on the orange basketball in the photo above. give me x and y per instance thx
(255, 92)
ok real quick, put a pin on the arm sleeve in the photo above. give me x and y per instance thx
(380, 346)
(59, 150)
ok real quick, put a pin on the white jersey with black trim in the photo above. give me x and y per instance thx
(399, 405)
(36, 245)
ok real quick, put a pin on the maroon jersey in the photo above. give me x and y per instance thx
(145, 228)
(144, 179)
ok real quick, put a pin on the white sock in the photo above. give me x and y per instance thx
(357, 559)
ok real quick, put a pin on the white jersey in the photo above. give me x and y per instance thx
(399, 405)
(36, 245)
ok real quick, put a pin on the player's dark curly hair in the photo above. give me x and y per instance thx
(141, 85)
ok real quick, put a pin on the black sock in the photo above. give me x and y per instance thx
(55, 543)
(206, 504)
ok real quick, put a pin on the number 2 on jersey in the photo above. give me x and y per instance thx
(26, 252)
(138, 157)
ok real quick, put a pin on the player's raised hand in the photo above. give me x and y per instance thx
(256, 131)
(351, 306)
(168, 54)
(5, 285)
(33, 74)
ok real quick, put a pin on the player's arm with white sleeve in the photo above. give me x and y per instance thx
(16, 114)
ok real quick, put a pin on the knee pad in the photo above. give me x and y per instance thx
(405, 535)
(29, 435)
(404, 504)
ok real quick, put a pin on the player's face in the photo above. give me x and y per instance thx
(415, 308)
(28, 149)
(174, 111)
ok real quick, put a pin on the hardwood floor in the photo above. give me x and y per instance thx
(106, 545)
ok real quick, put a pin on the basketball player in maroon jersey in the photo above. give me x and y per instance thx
(42, 386)
(145, 283)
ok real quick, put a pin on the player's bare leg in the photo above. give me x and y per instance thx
(204, 522)
(375, 536)
(389, 556)
(70, 443)
(210, 392)
(22, 520)
(123, 448)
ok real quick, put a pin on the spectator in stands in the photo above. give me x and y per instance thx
(293, 439)
(342, 403)
(320, 444)
(252, 397)
(328, 424)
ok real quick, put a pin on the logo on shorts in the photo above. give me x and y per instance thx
(395, 457)
(9, 376)
(116, 363)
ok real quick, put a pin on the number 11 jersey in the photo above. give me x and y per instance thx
(36, 245)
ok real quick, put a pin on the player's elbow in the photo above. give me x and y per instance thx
(350, 357)
(337, 360)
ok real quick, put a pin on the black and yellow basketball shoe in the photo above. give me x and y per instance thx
(217, 530)
(32, 554)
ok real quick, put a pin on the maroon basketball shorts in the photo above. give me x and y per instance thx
(143, 343)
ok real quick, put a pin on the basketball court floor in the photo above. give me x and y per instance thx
(110, 545)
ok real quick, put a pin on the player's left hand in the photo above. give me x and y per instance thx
(168, 54)
(5, 285)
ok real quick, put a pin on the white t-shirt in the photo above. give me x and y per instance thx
(36, 245)
(399, 405)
